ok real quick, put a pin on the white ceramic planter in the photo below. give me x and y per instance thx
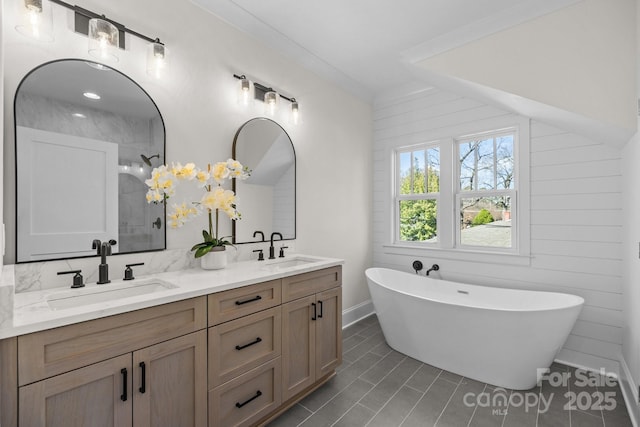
(214, 260)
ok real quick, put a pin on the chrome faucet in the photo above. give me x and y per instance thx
(272, 251)
(103, 249)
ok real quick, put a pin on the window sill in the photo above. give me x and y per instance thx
(458, 254)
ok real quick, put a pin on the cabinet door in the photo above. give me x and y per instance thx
(298, 345)
(328, 331)
(95, 396)
(170, 383)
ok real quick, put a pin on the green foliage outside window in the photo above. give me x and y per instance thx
(483, 217)
(418, 217)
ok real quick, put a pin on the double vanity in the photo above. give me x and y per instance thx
(229, 347)
(176, 346)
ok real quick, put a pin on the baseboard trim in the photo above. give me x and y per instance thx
(629, 392)
(358, 312)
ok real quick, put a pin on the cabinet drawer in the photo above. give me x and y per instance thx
(302, 285)
(246, 399)
(240, 345)
(235, 303)
(47, 353)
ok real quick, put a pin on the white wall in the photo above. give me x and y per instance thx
(579, 59)
(631, 276)
(198, 101)
(576, 216)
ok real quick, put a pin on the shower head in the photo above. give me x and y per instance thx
(147, 160)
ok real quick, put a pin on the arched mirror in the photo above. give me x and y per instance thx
(267, 199)
(87, 137)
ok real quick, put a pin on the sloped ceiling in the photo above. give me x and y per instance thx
(373, 48)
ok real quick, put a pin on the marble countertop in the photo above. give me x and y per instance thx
(30, 311)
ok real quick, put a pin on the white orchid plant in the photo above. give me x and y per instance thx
(162, 186)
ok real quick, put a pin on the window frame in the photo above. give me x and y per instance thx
(413, 196)
(459, 193)
(448, 246)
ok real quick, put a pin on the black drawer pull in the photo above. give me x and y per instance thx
(257, 340)
(315, 311)
(143, 384)
(320, 315)
(240, 405)
(123, 396)
(257, 298)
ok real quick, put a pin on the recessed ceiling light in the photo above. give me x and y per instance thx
(91, 95)
(79, 115)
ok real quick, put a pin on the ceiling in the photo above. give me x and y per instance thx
(368, 46)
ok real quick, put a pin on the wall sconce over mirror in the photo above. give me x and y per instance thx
(249, 91)
(105, 35)
(104, 39)
(35, 19)
(271, 103)
(245, 91)
(156, 59)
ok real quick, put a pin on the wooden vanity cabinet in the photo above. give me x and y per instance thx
(233, 358)
(272, 355)
(312, 329)
(162, 384)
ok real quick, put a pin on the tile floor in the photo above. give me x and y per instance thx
(377, 386)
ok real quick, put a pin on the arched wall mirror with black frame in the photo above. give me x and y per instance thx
(267, 199)
(86, 137)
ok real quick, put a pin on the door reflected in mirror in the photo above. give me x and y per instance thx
(267, 199)
(87, 137)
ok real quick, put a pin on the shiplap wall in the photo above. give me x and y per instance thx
(576, 216)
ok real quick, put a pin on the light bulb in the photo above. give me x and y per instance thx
(36, 20)
(156, 59)
(271, 102)
(295, 111)
(245, 91)
(103, 39)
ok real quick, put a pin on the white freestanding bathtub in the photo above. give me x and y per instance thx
(493, 335)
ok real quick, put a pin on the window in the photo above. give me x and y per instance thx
(486, 191)
(418, 186)
(462, 193)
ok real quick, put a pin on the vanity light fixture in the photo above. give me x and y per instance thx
(156, 58)
(295, 112)
(104, 39)
(245, 91)
(105, 35)
(251, 90)
(271, 102)
(36, 19)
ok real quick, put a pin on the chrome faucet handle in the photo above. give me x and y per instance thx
(77, 278)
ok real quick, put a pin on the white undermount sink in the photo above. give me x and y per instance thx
(285, 263)
(93, 293)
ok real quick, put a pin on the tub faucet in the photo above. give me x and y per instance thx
(434, 267)
(272, 251)
(103, 249)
